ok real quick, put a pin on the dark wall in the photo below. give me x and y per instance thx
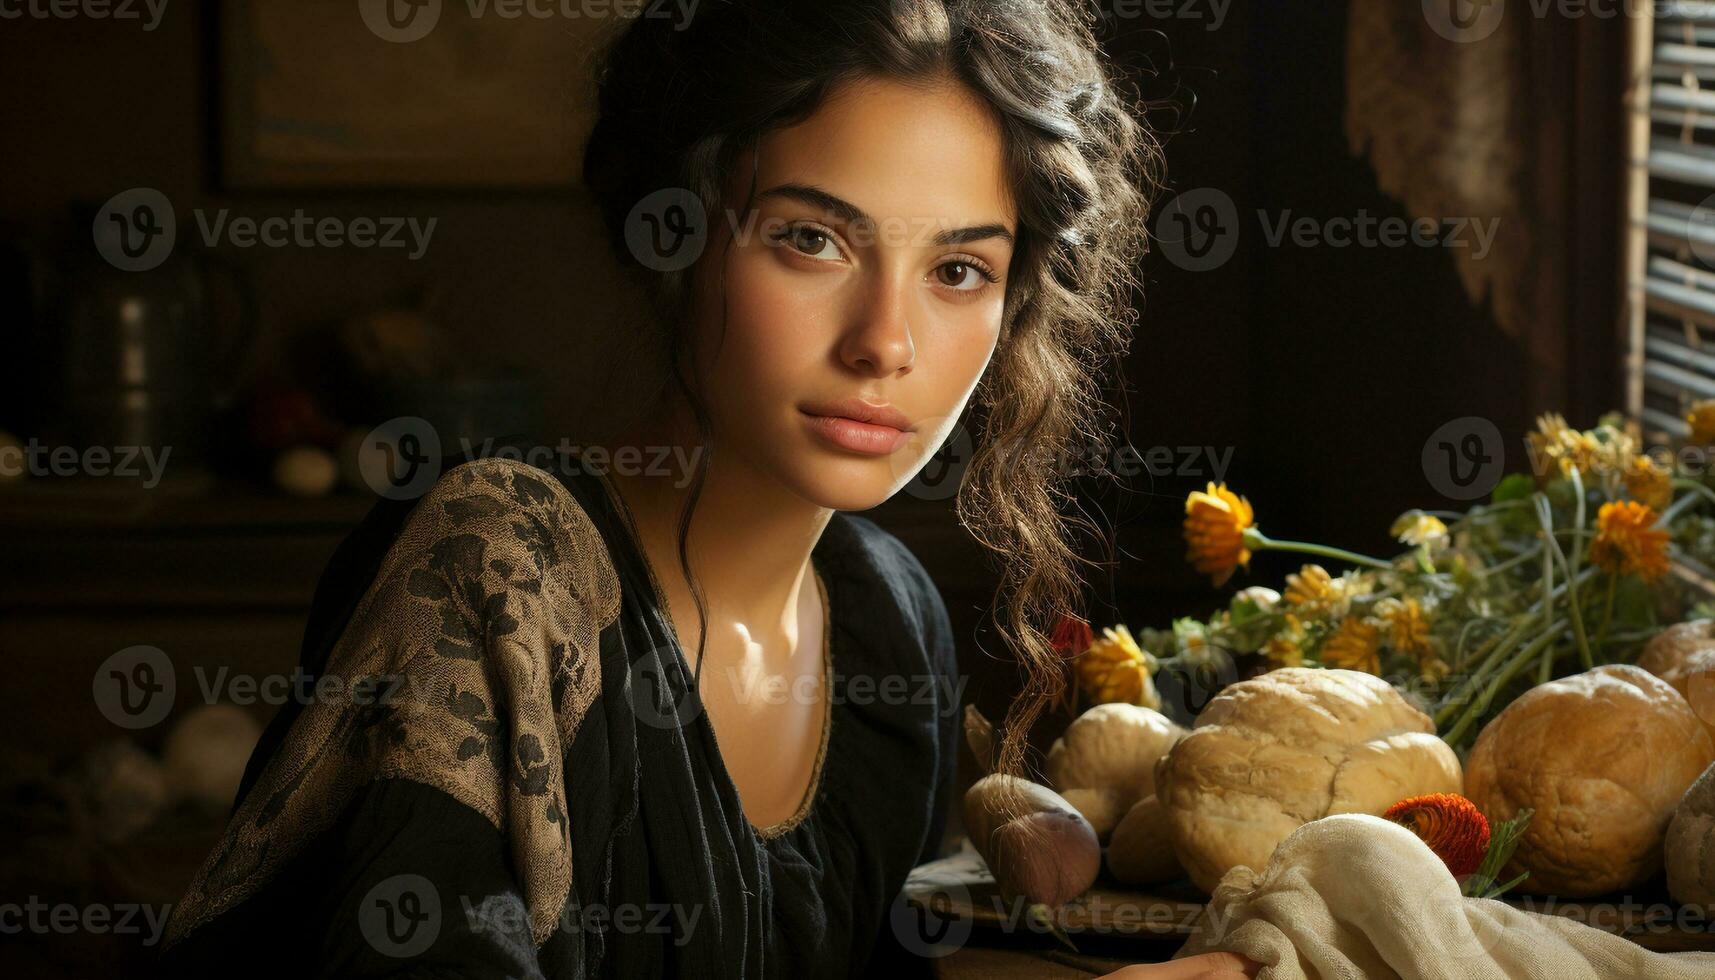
(521, 279)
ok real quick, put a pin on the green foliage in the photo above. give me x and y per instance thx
(1503, 841)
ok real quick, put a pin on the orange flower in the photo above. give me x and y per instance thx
(1215, 524)
(1628, 542)
(1451, 825)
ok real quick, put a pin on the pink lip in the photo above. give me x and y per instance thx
(869, 438)
(861, 411)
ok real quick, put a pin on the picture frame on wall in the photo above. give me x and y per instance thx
(328, 96)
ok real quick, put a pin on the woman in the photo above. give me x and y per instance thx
(909, 206)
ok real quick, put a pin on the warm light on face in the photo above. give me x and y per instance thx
(871, 268)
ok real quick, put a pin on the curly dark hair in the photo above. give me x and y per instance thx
(678, 104)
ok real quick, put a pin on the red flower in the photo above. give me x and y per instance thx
(1071, 636)
(1451, 825)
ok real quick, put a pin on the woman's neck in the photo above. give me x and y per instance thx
(749, 544)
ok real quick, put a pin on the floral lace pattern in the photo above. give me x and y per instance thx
(476, 651)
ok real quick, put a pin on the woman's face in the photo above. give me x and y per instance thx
(871, 269)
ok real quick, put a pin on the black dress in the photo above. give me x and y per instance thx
(514, 776)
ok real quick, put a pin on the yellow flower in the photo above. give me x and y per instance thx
(1354, 646)
(1313, 592)
(1628, 542)
(1649, 483)
(1614, 451)
(1407, 626)
(1115, 668)
(1215, 523)
(1286, 647)
(1701, 418)
(1310, 587)
(1418, 529)
(1566, 447)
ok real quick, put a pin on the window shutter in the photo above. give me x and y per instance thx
(1670, 204)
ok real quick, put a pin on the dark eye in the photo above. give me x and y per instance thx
(812, 242)
(962, 276)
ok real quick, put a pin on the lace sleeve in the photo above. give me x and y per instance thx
(466, 666)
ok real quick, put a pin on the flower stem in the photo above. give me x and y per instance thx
(1486, 658)
(1546, 518)
(1515, 560)
(1259, 541)
(1453, 702)
(1514, 664)
(1577, 522)
(1674, 508)
(1607, 615)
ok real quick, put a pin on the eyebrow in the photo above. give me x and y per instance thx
(852, 214)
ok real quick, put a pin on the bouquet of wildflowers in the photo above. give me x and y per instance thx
(1559, 571)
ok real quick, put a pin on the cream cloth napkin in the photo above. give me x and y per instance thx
(1355, 896)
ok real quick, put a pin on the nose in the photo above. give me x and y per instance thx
(878, 342)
